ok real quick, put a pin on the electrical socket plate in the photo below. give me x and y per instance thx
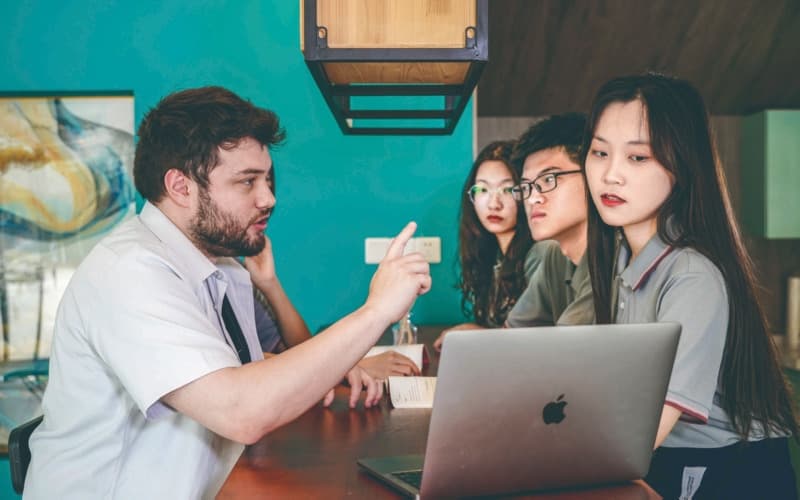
(429, 247)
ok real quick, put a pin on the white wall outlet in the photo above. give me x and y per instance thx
(429, 247)
(375, 249)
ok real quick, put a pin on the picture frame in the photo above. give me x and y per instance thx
(66, 162)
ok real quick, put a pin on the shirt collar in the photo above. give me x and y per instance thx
(576, 276)
(185, 257)
(639, 269)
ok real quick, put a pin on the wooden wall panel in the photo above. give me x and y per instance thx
(775, 260)
(550, 56)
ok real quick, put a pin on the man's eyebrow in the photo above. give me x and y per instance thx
(252, 171)
(544, 171)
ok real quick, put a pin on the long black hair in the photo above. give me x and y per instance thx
(478, 249)
(700, 217)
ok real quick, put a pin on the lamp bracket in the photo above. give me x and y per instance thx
(469, 37)
(322, 37)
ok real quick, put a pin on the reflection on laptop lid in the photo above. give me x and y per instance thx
(523, 409)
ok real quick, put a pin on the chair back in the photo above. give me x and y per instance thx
(19, 453)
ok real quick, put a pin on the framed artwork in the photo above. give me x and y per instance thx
(65, 180)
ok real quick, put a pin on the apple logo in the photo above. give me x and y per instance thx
(553, 411)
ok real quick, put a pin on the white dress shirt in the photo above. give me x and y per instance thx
(140, 318)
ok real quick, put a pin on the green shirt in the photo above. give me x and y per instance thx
(558, 293)
(496, 313)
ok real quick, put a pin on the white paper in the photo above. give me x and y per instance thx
(412, 392)
(413, 351)
(690, 483)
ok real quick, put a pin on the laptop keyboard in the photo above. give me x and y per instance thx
(412, 477)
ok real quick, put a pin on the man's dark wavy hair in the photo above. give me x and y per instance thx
(186, 129)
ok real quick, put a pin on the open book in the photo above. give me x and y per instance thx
(408, 392)
(412, 392)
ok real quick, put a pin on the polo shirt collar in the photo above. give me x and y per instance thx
(576, 276)
(636, 272)
(188, 260)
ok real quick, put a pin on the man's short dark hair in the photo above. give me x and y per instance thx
(186, 129)
(564, 131)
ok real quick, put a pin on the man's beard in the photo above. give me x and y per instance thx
(220, 234)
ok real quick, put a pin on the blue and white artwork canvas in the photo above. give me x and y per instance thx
(65, 181)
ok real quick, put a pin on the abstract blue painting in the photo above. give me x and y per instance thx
(65, 180)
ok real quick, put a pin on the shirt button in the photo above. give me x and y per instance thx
(622, 305)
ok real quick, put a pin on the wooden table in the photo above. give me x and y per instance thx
(315, 456)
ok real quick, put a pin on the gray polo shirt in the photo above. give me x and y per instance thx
(559, 293)
(664, 283)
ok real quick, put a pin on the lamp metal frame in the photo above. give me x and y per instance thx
(456, 96)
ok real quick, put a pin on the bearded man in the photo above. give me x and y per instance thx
(157, 379)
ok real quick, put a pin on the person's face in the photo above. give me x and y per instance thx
(558, 214)
(628, 185)
(231, 215)
(494, 204)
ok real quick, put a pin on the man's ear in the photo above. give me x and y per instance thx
(178, 187)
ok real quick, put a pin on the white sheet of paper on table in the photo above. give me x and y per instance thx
(412, 392)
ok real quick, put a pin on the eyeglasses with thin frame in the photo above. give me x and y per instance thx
(543, 183)
(478, 193)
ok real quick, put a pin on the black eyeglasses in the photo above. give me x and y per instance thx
(543, 184)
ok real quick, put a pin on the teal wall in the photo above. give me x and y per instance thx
(6, 490)
(333, 190)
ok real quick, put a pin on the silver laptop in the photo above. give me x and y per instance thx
(525, 409)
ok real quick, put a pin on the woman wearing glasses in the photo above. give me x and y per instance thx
(493, 241)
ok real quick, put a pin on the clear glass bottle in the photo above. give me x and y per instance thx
(404, 331)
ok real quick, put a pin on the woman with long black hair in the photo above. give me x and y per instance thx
(658, 192)
(493, 241)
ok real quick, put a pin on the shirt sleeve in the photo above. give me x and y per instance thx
(699, 302)
(154, 333)
(267, 329)
(535, 306)
(537, 253)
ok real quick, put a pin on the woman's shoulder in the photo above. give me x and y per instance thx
(690, 260)
(689, 263)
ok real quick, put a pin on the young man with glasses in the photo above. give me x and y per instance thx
(553, 193)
